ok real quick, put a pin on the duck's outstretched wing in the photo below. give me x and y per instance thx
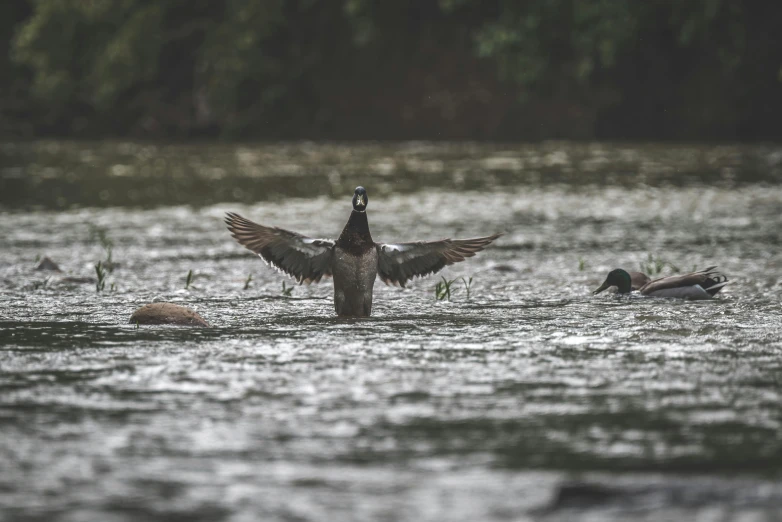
(305, 259)
(400, 262)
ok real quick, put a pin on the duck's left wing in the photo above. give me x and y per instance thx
(304, 258)
(400, 262)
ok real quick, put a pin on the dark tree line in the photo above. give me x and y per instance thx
(392, 69)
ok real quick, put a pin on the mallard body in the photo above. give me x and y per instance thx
(354, 282)
(695, 285)
(354, 268)
(694, 293)
(704, 284)
(354, 259)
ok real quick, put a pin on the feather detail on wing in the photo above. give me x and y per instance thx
(398, 263)
(303, 258)
(709, 280)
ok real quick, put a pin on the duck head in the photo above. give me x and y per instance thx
(360, 199)
(618, 278)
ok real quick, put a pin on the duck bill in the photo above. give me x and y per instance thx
(602, 287)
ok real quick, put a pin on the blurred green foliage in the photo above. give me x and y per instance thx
(391, 68)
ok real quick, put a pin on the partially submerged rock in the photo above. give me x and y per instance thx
(47, 264)
(167, 313)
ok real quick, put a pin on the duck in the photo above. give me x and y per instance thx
(704, 284)
(354, 260)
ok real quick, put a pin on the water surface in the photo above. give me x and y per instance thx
(531, 399)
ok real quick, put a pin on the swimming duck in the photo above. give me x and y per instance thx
(354, 259)
(695, 285)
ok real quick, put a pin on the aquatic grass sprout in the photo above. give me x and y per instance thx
(248, 281)
(37, 285)
(100, 234)
(654, 265)
(442, 289)
(581, 264)
(189, 279)
(100, 271)
(286, 290)
(467, 285)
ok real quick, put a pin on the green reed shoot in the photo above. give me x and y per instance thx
(467, 285)
(189, 279)
(286, 291)
(248, 281)
(581, 264)
(442, 290)
(105, 241)
(101, 273)
(36, 285)
(655, 265)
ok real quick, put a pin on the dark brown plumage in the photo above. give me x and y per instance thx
(306, 260)
(399, 263)
(354, 259)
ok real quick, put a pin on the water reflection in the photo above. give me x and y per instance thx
(62, 175)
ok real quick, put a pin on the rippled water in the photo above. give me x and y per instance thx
(532, 399)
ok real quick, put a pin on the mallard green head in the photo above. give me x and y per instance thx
(360, 199)
(618, 278)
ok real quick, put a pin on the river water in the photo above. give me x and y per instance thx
(529, 399)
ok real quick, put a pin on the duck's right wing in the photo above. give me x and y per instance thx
(301, 257)
(400, 262)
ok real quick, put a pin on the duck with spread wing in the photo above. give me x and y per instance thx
(354, 259)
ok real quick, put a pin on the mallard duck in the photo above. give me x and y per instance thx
(696, 285)
(354, 259)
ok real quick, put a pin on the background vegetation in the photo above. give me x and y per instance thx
(391, 69)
